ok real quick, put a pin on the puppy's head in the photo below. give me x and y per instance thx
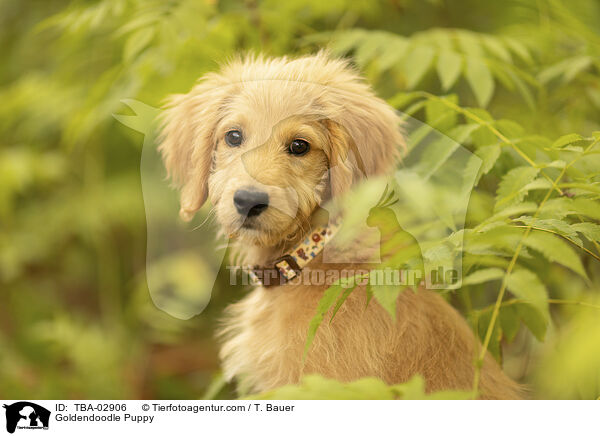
(268, 140)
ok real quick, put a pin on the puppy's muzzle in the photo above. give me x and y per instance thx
(250, 203)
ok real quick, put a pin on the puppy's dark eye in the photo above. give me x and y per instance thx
(233, 138)
(298, 147)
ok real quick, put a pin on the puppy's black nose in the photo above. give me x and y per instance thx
(250, 203)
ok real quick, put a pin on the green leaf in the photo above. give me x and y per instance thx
(462, 132)
(536, 321)
(483, 137)
(510, 189)
(501, 73)
(555, 225)
(439, 115)
(370, 47)
(482, 276)
(137, 42)
(449, 395)
(387, 296)
(489, 155)
(587, 187)
(522, 88)
(144, 20)
(553, 71)
(317, 387)
(414, 108)
(330, 296)
(555, 250)
(416, 64)
(449, 66)
(402, 99)
(554, 164)
(576, 66)
(480, 79)
(347, 41)
(519, 49)
(393, 53)
(539, 183)
(496, 239)
(509, 128)
(438, 152)
(483, 324)
(526, 286)
(589, 230)
(566, 140)
(216, 385)
(509, 322)
(497, 48)
(470, 44)
(343, 297)
(585, 206)
(518, 209)
(573, 148)
(561, 207)
(417, 135)
(480, 113)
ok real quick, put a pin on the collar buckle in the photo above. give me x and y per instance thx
(287, 266)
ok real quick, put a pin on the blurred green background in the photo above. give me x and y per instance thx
(76, 319)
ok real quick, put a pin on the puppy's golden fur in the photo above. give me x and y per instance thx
(352, 134)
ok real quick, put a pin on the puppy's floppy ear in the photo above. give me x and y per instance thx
(345, 164)
(371, 129)
(187, 141)
(375, 128)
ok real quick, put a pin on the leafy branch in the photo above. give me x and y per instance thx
(510, 268)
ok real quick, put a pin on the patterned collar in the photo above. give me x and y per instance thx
(289, 266)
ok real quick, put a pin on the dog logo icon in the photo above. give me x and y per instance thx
(26, 415)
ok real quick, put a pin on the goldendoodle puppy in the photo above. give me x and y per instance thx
(268, 141)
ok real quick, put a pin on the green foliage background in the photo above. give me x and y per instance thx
(517, 82)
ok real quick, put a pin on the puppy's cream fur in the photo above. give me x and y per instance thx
(353, 134)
